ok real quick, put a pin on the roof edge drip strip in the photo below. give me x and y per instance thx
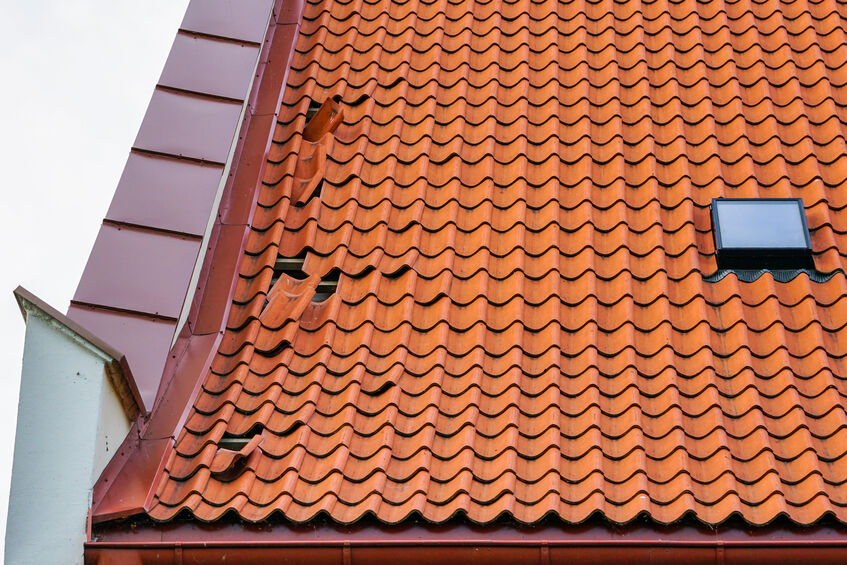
(127, 486)
(595, 541)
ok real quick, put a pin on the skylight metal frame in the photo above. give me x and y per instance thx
(762, 257)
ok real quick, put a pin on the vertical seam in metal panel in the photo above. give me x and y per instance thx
(347, 557)
(545, 553)
(178, 554)
(720, 556)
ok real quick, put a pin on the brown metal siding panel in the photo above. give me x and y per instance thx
(190, 126)
(246, 20)
(210, 66)
(165, 193)
(139, 270)
(144, 341)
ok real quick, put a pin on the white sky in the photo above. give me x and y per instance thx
(76, 78)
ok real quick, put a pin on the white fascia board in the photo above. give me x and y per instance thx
(116, 364)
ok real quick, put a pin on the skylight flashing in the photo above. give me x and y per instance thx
(779, 275)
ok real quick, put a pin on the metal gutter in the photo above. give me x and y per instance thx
(461, 543)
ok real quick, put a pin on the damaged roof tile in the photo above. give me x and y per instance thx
(516, 196)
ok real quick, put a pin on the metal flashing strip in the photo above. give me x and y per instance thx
(204, 246)
(139, 282)
(779, 275)
(127, 485)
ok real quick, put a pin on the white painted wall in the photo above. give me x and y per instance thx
(70, 421)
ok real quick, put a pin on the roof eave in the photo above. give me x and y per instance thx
(463, 543)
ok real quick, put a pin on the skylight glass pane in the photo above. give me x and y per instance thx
(761, 224)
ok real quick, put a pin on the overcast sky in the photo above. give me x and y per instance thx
(77, 76)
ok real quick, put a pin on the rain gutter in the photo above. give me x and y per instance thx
(461, 543)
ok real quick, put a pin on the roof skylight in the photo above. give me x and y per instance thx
(761, 233)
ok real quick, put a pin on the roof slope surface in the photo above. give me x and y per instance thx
(516, 195)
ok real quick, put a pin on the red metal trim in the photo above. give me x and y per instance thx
(127, 486)
(175, 165)
(455, 543)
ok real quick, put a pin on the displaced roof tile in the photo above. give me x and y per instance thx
(517, 202)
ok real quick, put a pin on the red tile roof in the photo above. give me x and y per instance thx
(526, 322)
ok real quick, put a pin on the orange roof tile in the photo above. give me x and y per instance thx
(526, 323)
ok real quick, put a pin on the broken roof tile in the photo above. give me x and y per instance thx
(515, 195)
